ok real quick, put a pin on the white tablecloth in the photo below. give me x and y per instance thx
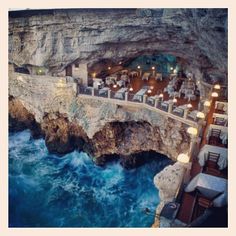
(110, 80)
(224, 104)
(134, 73)
(223, 133)
(158, 76)
(120, 93)
(138, 96)
(193, 114)
(152, 99)
(121, 82)
(224, 116)
(223, 159)
(210, 186)
(103, 90)
(145, 76)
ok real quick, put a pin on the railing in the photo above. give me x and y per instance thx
(128, 98)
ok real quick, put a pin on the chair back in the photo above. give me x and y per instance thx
(215, 132)
(213, 157)
(204, 202)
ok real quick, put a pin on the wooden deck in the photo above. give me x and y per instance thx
(158, 87)
(189, 209)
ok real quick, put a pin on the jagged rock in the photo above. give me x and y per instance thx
(168, 182)
(20, 118)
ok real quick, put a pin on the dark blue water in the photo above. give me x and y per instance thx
(50, 191)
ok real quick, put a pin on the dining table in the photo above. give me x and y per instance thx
(212, 187)
(120, 94)
(138, 96)
(223, 132)
(223, 158)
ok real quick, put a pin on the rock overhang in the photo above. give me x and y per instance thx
(58, 37)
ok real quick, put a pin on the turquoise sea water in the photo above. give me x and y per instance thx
(71, 191)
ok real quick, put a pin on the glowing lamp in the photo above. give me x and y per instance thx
(200, 115)
(138, 67)
(94, 75)
(183, 158)
(109, 68)
(171, 68)
(153, 68)
(174, 100)
(149, 91)
(120, 62)
(189, 105)
(161, 95)
(192, 131)
(207, 103)
(214, 95)
(131, 89)
(216, 86)
(175, 71)
(115, 86)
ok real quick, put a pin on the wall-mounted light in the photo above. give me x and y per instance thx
(200, 115)
(120, 62)
(138, 67)
(216, 86)
(192, 131)
(149, 91)
(114, 85)
(161, 95)
(153, 67)
(174, 100)
(131, 89)
(109, 68)
(214, 94)
(94, 75)
(183, 158)
(207, 104)
(189, 105)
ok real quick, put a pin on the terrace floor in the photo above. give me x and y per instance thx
(158, 87)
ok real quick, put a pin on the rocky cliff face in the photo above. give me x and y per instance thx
(101, 128)
(55, 38)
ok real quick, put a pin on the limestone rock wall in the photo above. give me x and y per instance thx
(99, 127)
(55, 38)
